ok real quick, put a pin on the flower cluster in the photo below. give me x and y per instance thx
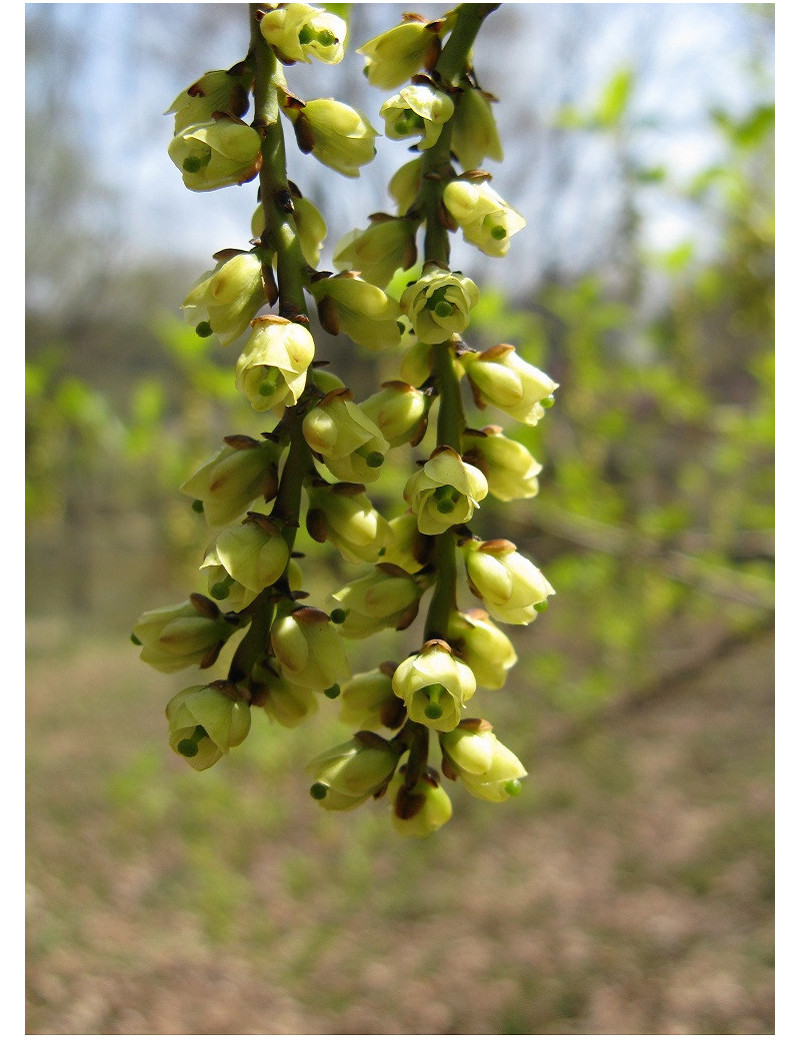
(271, 500)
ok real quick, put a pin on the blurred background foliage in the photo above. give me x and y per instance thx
(654, 523)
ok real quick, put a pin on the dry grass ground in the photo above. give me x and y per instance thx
(628, 890)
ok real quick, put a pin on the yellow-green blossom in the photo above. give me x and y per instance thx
(300, 32)
(487, 768)
(445, 492)
(216, 154)
(205, 722)
(417, 109)
(435, 686)
(511, 587)
(227, 298)
(272, 368)
(438, 303)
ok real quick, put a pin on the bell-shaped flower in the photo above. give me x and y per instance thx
(435, 686)
(376, 254)
(445, 492)
(394, 56)
(480, 644)
(486, 767)
(350, 444)
(419, 812)
(475, 135)
(386, 598)
(242, 470)
(500, 377)
(336, 135)
(215, 91)
(254, 553)
(343, 515)
(347, 775)
(400, 412)
(511, 587)
(417, 109)
(311, 227)
(224, 301)
(405, 184)
(310, 650)
(486, 220)
(205, 722)
(438, 303)
(368, 700)
(190, 633)
(283, 702)
(221, 586)
(300, 32)
(272, 368)
(361, 310)
(510, 469)
(408, 548)
(217, 153)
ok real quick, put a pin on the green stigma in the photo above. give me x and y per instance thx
(333, 691)
(374, 459)
(540, 608)
(196, 163)
(434, 710)
(204, 330)
(135, 640)
(197, 505)
(513, 788)
(446, 498)
(548, 402)
(498, 233)
(318, 791)
(269, 384)
(220, 589)
(338, 615)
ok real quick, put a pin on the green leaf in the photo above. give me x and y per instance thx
(615, 97)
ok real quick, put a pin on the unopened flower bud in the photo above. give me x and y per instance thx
(309, 649)
(438, 303)
(350, 444)
(385, 247)
(368, 700)
(242, 470)
(488, 651)
(343, 515)
(475, 135)
(421, 811)
(500, 377)
(416, 364)
(510, 469)
(272, 367)
(435, 685)
(336, 134)
(396, 55)
(299, 32)
(311, 227)
(386, 598)
(408, 548)
(417, 109)
(510, 586)
(217, 153)
(486, 220)
(190, 633)
(486, 767)
(285, 703)
(347, 775)
(405, 184)
(216, 91)
(359, 309)
(228, 297)
(205, 722)
(400, 411)
(445, 492)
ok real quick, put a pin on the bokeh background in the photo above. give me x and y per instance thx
(629, 889)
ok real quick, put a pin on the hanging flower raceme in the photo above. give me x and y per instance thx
(434, 685)
(300, 32)
(445, 492)
(438, 303)
(486, 220)
(217, 153)
(272, 368)
(190, 633)
(205, 722)
(512, 588)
